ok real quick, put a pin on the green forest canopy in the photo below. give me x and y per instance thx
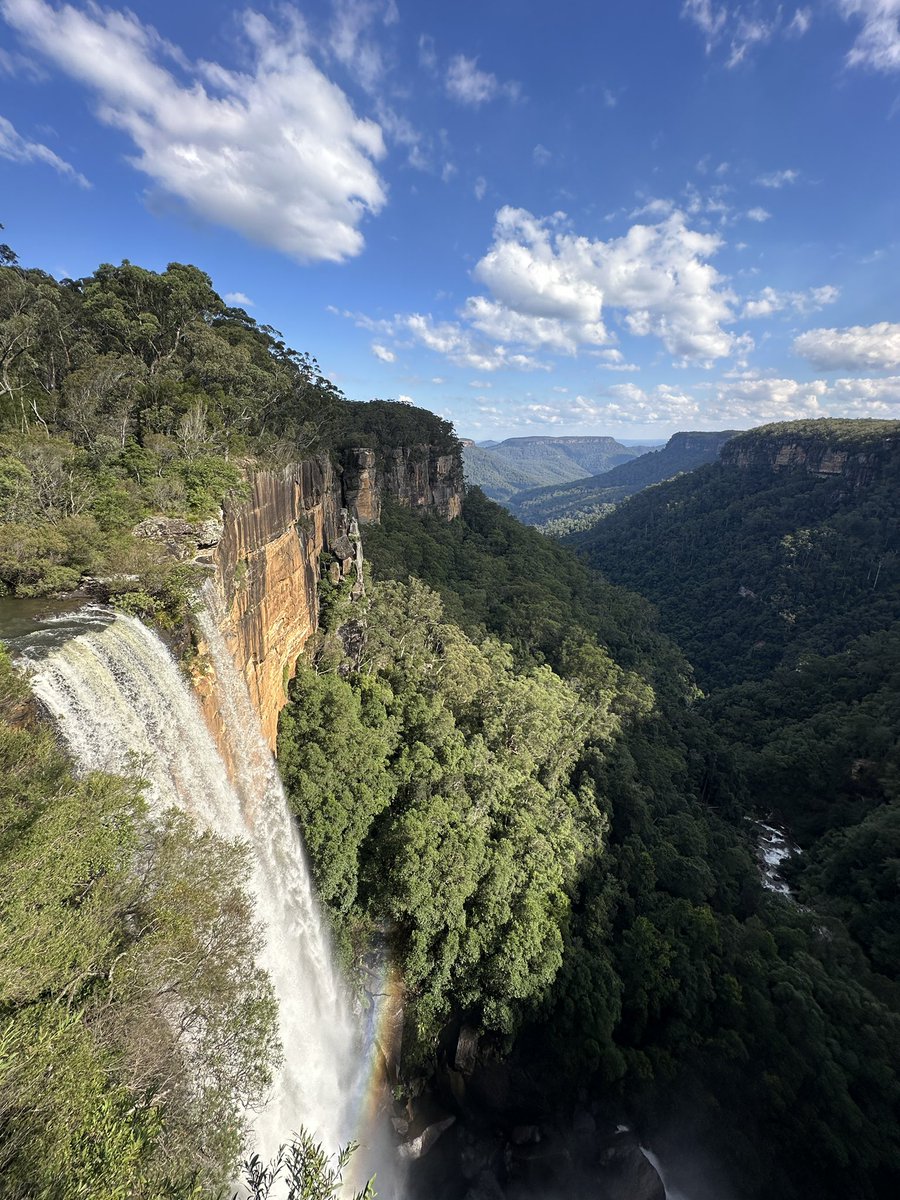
(557, 839)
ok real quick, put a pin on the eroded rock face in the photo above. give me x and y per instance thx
(267, 555)
(813, 455)
(266, 571)
(418, 477)
(182, 538)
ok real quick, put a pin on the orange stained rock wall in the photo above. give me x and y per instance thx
(266, 572)
(267, 560)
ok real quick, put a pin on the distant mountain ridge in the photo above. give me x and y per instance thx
(523, 463)
(570, 507)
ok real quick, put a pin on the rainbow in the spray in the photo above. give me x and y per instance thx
(370, 1110)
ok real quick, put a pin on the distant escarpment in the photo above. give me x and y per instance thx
(788, 545)
(518, 464)
(568, 508)
(855, 450)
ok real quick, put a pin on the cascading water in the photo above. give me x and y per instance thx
(123, 706)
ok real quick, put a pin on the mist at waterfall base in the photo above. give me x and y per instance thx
(123, 706)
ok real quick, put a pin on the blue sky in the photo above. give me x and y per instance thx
(627, 217)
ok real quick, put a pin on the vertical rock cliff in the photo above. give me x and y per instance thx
(273, 546)
(418, 477)
(857, 458)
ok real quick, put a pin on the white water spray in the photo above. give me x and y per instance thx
(123, 706)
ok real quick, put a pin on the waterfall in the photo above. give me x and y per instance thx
(123, 706)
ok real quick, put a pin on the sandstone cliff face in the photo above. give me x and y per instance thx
(418, 477)
(267, 559)
(266, 568)
(813, 455)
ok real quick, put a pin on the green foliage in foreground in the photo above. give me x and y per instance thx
(432, 783)
(133, 1025)
(585, 887)
(302, 1170)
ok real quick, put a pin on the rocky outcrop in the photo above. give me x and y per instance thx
(267, 553)
(266, 571)
(418, 477)
(858, 463)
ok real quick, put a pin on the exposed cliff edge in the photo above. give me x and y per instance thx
(296, 522)
(418, 477)
(855, 450)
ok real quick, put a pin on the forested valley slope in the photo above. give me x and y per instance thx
(562, 509)
(504, 771)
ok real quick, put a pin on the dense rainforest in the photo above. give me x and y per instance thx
(131, 393)
(783, 588)
(501, 762)
(570, 869)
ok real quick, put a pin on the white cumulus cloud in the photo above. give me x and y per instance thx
(859, 347)
(383, 352)
(549, 286)
(461, 347)
(723, 404)
(16, 148)
(239, 299)
(275, 151)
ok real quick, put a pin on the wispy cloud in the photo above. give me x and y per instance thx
(739, 29)
(16, 148)
(771, 301)
(779, 179)
(469, 85)
(877, 45)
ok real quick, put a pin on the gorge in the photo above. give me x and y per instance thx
(529, 819)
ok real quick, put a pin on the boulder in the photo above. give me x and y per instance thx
(419, 1146)
(626, 1174)
(466, 1050)
(210, 532)
(343, 551)
(161, 529)
(182, 537)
